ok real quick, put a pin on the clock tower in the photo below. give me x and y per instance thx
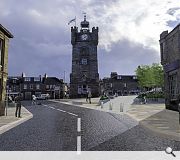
(84, 74)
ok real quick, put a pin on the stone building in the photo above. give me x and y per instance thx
(5, 35)
(170, 59)
(29, 86)
(84, 74)
(53, 86)
(13, 85)
(119, 84)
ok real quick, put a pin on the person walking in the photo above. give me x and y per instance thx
(33, 100)
(145, 101)
(18, 100)
(179, 107)
(89, 96)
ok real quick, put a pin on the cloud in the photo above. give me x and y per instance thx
(135, 20)
(139, 21)
(125, 58)
(128, 32)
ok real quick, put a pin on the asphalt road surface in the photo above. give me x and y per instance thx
(61, 127)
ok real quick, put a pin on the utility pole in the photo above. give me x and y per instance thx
(179, 110)
(64, 76)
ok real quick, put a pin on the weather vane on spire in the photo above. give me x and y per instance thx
(84, 13)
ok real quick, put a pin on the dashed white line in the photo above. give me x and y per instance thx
(78, 144)
(79, 124)
(78, 127)
(51, 107)
(61, 110)
(72, 114)
(79, 137)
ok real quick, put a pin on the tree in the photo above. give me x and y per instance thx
(150, 76)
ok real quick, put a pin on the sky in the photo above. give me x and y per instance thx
(128, 33)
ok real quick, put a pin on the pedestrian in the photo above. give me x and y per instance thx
(144, 99)
(179, 107)
(33, 100)
(18, 100)
(89, 96)
(10, 99)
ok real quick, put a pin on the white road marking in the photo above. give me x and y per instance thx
(79, 124)
(72, 114)
(78, 144)
(78, 127)
(61, 110)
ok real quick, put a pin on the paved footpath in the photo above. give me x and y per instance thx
(153, 117)
(10, 121)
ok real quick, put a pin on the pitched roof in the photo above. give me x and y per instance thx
(5, 31)
(50, 80)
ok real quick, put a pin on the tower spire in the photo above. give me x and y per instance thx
(84, 16)
(84, 24)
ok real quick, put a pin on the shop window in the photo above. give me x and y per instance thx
(173, 86)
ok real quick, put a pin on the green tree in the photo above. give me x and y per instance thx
(150, 76)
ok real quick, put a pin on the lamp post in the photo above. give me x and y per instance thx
(179, 107)
(6, 99)
(179, 112)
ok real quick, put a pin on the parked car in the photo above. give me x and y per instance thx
(42, 97)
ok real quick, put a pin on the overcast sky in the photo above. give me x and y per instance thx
(128, 33)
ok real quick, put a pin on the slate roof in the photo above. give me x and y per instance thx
(5, 31)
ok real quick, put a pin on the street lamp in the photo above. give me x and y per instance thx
(6, 99)
(179, 107)
(179, 112)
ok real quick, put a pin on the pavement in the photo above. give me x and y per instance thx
(152, 117)
(10, 121)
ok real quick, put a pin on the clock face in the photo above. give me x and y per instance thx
(84, 37)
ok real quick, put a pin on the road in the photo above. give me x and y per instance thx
(55, 127)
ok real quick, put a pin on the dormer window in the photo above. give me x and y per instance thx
(36, 79)
(27, 79)
(119, 77)
(134, 77)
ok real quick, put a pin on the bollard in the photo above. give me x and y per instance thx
(121, 107)
(110, 106)
(102, 105)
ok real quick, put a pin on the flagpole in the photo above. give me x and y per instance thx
(75, 21)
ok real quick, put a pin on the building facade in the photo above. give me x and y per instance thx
(29, 86)
(84, 74)
(170, 59)
(13, 85)
(53, 86)
(5, 35)
(120, 85)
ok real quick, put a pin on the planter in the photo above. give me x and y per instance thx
(104, 101)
